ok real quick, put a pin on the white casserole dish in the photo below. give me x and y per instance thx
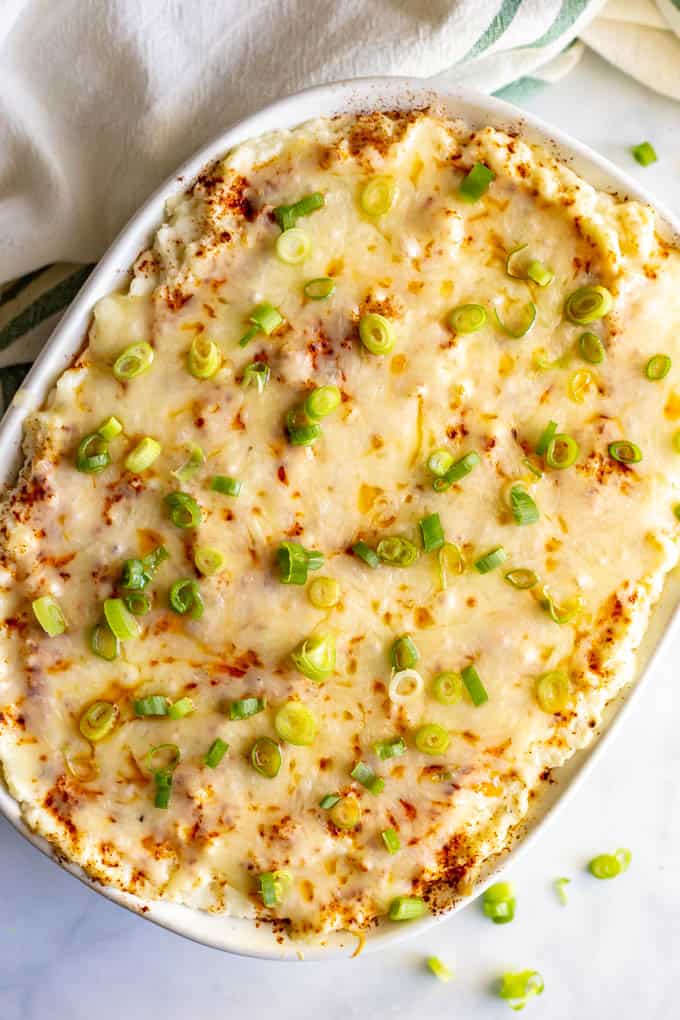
(232, 934)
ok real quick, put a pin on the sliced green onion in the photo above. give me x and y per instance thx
(184, 510)
(319, 288)
(587, 304)
(466, 318)
(540, 273)
(294, 562)
(447, 688)
(163, 759)
(273, 887)
(552, 691)
(610, 865)
(523, 508)
(563, 613)
(474, 686)
(644, 153)
(376, 333)
(265, 319)
(47, 612)
(521, 578)
(288, 215)
(546, 438)
(676, 510)
(300, 430)
(562, 451)
(365, 775)
(518, 988)
(243, 708)
(403, 653)
(345, 813)
(133, 361)
(204, 358)
(265, 757)
(216, 753)
(658, 367)
(329, 801)
(226, 485)
(110, 428)
(394, 747)
(163, 784)
(515, 262)
(498, 902)
(195, 460)
(121, 622)
(133, 576)
(295, 724)
(579, 384)
(405, 686)
(365, 553)
(256, 374)
(458, 470)
(185, 598)
(377, 195)
(449, 557)
(439, 462)
(560, 885)
(391, 841)
(153, 560)
(476, 182)
(93, 454)
(407, 908)
(591, 348)
(526, 323)
(98, 720)
(143, 455)
(489, 561)
(293, 246)
(397, 551)
(432, 532)
(181, 708)
(528, 463)
(432, 738)
(625, 452)
(137, 603)
(321, 402)
(208, 561)
(154, 705)
(676, 441)
(103, 642)
(324, 592)
(439, 969)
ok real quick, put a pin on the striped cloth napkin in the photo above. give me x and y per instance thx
(100, 102)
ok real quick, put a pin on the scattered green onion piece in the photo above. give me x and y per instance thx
(521, 578)
(676, 441)
(562, 451)
(163, 784)
(265, 757)
(300, 430)
(133, 576)
(204, 358)
(320, 288)
(546, 438)
(447, 688)
(216, 753)
(610, 865)
(474, 686)
(329, 801)
(184, 510)
(93, 454)
(407, 908)
(528, 463)
(449, 556)
(465, 319)
(249, 335)
(365, 775)
(208, 561)
(489, 561)
(563, 613)
(163, 759)
(397, 551)
(552, 691)
(432, 532)
(98, 720)
(243, 708)
(539, 273)
(365, 553)
(644, 153)
(476, 182)
(293, 246)
(518, 988)
(181, 708)
(185, 598)
(439, 462)
(560, 885)
(121, 622)
(523, 507)
(143, 455)
(324, 592)
(403, 653)
(525, 326)
(394, 747)
(439, 969)
(515, 262)
(195, 460)
(153, 560)
(294, 562)
(625, 452)
(321, 402)
(391, 840)
(104, 643)
(658, 367)
(226, 485)
(458, 470)
(137, 603)
(288, 215)
(295, 724)
(256, 374)
(498, 902)
(676, 510)
(110, 428)
(587, 304)
(345, 813)
(47, 612)
(154, 705)
(266, 317)
(591, 348)
(273, 887)
(405, 686)
(133, 361)
(376, 333)
(432, 739)
(377, 195)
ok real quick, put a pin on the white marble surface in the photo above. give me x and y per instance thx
(68, 954)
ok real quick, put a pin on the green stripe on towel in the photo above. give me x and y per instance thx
(49, 303)
(15, 287)
(495, 30)
(569, 13)
(11, 378)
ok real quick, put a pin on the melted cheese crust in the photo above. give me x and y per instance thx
(606, 530)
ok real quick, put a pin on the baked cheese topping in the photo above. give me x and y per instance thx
(345, 525)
